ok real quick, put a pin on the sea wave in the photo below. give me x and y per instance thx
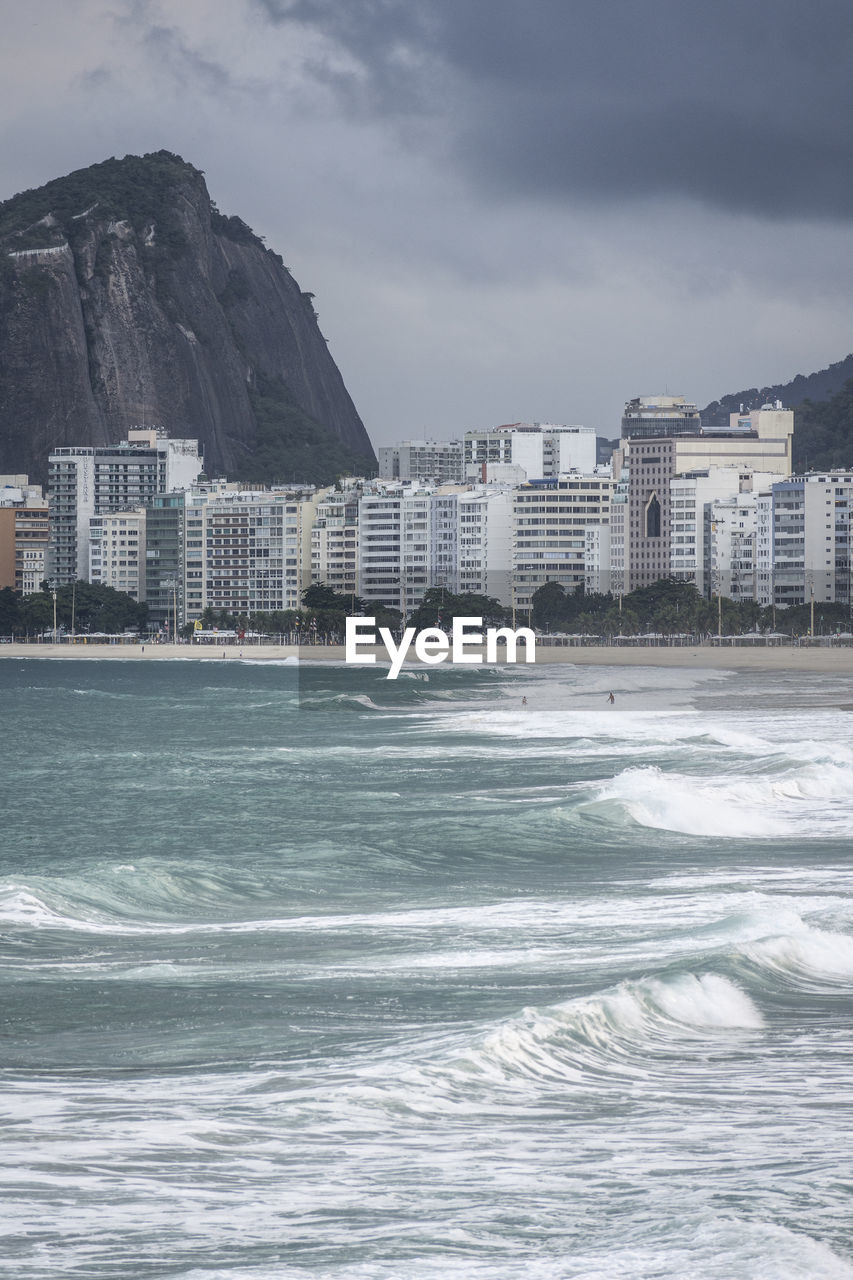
(808, 801)
(614, 1031)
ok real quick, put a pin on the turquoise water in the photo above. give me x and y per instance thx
(306, 973)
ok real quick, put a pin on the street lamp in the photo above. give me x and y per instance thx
(53, 593)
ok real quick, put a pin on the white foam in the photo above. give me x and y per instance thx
(809, 801)
(613, 1030)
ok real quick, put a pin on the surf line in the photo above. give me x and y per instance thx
(432, 645)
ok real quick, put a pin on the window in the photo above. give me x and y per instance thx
(653, 517)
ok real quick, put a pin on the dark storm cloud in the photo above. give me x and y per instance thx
(741, 104)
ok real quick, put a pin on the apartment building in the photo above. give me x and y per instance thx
(803, 539)
(164, 560)
(246, 550)
(759, 441)
(484, 542)
(550, 519)
(117, 552)
(691, 496)
(436, 461)
(538, 450)
(24, 533)
(334, 541)
(85, 482)
(730, 545)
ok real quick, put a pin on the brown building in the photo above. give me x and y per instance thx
(24, 530)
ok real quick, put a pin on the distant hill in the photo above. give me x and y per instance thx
(805, 386)
(127, 297)
(823, 414)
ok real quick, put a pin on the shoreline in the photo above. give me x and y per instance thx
(815, 658)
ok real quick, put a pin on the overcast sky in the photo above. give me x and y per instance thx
(507, 209)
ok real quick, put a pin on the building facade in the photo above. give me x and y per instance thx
(540, 449)
(24, 534)
(437, 461)
(550, 519)
(86, 482)
(117, 556)
(759, 442)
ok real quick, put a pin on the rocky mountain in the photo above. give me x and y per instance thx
(127, 298)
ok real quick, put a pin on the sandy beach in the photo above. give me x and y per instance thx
(804, 658)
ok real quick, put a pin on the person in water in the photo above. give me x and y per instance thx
(524, 702)
(611, 699)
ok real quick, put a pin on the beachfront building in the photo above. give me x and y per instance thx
(535, 451)
(803, 539)
(596, 558)
(86, 482)
(334, 539)
(691, 496)
(758, 442)
(24, 533)
(484, 540)
(117, 552)
(165, 560)
(550, 519)
(618, 532)
(247, 550)
(730, 526)
(434, 461)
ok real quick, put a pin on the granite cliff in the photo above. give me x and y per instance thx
(127, 297)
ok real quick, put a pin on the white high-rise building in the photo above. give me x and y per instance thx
(334, 541)
(540, 449)
(549, 536)
(807, 525)
(485, 525)
(247, 550)
(117, 551)
(85, 482)
(690, 496)
(730, 545)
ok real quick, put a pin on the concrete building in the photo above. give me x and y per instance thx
(618, 533)
(117, 552)
(247, 550)
(596, 558)
(730, 545)
(165, 560)
(86, 482)
(540, 449)
(334, 541)
(436, 461)
(758, 442)
(485, 526)
(24, 533)
(659, 417)
(550, 519)
(803, 537)
(691, 495)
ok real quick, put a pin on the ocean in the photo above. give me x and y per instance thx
(307, 973)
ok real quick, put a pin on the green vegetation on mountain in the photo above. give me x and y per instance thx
(823, 432)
